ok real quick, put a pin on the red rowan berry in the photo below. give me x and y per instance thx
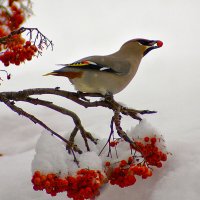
(6, 64)
(153, 140)
(34, 48)
(37, 181)
(37, 173)
(130, 160)
(17, 62)
(123, 163)
(28, 43)
(113, 143)
(47, 184)
(159, 164)
(146, 139)
(149, 173)
(29, 57)
(164, 157)
(107, 164)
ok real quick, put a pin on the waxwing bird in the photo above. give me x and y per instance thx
(108, 74)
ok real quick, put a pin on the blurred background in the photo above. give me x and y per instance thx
(167, 81)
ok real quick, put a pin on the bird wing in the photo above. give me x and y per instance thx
(112, 63)
(88, 65)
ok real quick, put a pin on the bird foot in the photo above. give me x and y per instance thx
(81, 95)
(109, 97)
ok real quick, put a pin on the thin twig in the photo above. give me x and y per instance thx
(75, 159)
(108, 141)
(33, 119)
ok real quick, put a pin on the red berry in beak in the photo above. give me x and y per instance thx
(159, 43)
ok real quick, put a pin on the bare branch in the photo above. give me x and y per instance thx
(73, 134)
(79, 98)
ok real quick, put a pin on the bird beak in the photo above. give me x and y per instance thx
(153, 44)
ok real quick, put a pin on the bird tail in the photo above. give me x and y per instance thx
(69, 75)
(51, 73)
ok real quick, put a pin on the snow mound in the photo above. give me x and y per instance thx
(145, 129)
(91, 160)
(51, 155)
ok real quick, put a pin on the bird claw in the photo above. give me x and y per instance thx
(82, 96)
(109, 97)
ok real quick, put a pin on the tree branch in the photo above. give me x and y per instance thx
(79, 98)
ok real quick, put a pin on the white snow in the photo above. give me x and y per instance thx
(145, 129)
(142, 130)
(90, 160)
(51, 156)
(167, 81)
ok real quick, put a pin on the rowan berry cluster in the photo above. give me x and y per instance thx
(84, 185)
(123, 173)
(150, 151)
(14, 49)
(12, 16)
(18, 53)
(16, 17)
(50, 182)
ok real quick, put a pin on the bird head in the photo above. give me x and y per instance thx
(148, 45)
(143, 46)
